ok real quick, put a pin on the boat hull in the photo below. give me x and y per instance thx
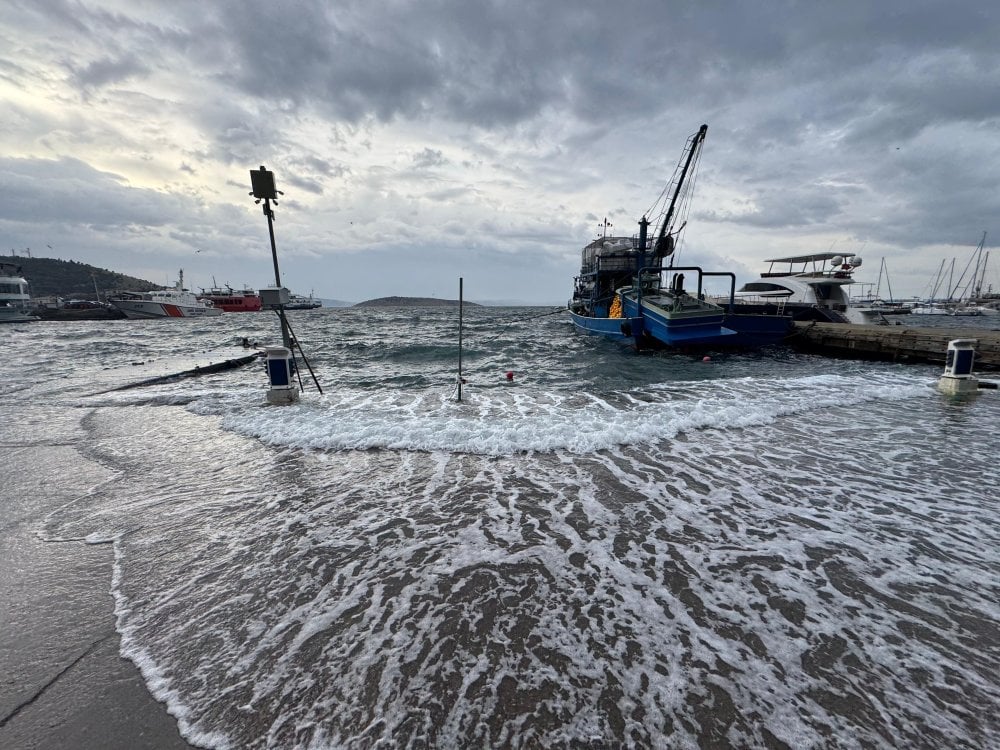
(729, 331)
(13, 315)
(619, 329)
(741, 331)
(678, 328)
(144, 310)
(754, 331)
(234, 303)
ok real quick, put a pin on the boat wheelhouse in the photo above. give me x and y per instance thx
(15, 299)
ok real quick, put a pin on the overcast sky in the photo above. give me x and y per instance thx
(417, 142)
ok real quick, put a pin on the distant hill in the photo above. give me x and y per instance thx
(49, 277)
(412, 302)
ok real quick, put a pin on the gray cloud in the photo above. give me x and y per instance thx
(108, 70)
(522, 120)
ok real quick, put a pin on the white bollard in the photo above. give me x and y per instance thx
(958, 378)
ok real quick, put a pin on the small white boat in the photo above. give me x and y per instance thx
(872, 307)
(954, 309)
(15, 301)
(302, 302)
(164, 303)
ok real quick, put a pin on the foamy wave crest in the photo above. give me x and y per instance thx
(501, 421)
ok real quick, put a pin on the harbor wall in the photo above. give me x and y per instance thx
(893, 343)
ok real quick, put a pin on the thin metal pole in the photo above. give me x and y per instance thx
(286, 337)
(459, 338)
(281, 314)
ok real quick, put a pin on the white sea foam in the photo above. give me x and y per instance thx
(800, 558)
(387, 597)
(499, 422)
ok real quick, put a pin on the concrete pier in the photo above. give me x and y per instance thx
(893, 343)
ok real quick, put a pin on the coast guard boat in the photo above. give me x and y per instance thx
(621, 292)
(164, 303)
(15, 301)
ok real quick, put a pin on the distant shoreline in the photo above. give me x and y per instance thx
(412, 302)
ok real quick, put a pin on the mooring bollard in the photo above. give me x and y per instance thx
(958, 378)
(281, 372)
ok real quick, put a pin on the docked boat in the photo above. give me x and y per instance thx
(810, 287)
(626, 292)
(947, 307)
(963, 299)
(15, 299)
(873, 306)
(231, 300)
(301, 302)
(177, 302)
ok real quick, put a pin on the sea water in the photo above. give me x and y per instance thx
(609, 549)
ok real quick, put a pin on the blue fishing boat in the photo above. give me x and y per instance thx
(625, 292)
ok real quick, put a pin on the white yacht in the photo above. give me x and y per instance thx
(15, 301)
(811, 285)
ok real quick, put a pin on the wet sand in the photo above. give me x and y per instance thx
(62, 681)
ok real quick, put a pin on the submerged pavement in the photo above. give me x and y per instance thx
(62, 681)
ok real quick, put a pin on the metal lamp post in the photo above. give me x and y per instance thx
(264, 189)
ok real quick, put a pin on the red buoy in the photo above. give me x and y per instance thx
(510, 374)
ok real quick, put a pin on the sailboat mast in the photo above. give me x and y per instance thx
(980, 274)
(937, 281)
(982, 277)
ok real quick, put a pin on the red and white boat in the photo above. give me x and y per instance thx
(230, 300)
(164, 303)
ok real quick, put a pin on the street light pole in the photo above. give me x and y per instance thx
(264, 189)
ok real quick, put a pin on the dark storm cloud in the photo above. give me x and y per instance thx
(69, 191)
(486, 64)
(873, 120)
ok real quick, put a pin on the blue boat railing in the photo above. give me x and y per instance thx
(697, 269)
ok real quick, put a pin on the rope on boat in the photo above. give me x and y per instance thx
(518, 320)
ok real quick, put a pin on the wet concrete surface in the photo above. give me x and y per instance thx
(62, 681)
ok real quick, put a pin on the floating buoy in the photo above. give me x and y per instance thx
(706, 358)
(510, 375)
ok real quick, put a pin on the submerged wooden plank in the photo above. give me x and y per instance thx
(164, 369)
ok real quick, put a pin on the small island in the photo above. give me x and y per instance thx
(412, 302)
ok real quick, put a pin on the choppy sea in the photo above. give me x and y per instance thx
(611, 550)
